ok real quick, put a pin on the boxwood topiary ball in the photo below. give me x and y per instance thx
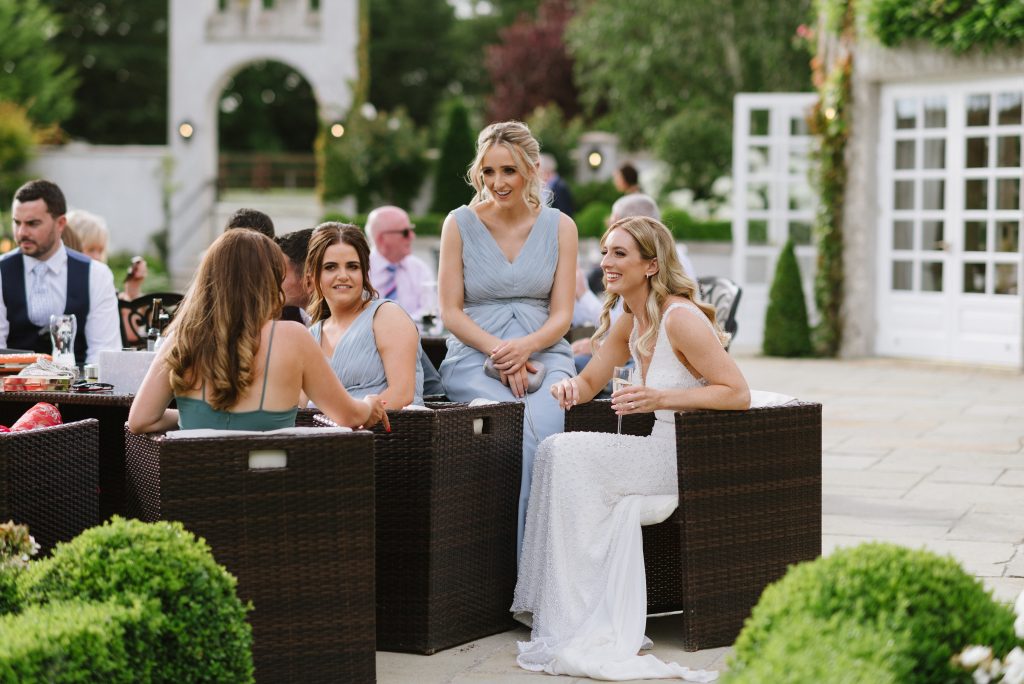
(204, 637)
(926, 604)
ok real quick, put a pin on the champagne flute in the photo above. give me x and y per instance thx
(622, 376)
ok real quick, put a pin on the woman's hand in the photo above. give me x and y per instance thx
(377, 412)
(566, 393)
(519, 380)
(511, 355)
(636, 399)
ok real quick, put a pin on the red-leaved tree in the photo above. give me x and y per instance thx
(530, 67)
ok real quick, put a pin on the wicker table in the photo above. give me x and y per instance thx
(111, 410)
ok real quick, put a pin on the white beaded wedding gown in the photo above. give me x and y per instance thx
(581, 574)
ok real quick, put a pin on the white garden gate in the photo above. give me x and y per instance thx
(772, 201)
(949, 222)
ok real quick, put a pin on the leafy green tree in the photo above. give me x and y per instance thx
(379, 160)
(696, 144)
(556, 136)
(120, 50)
(17, 140)
(640, 63)
(406, 69)
(458, 146)
(786, 332)
(33, 73)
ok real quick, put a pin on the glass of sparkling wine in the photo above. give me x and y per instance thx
(622, 376)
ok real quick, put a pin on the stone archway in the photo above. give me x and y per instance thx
(209, 42)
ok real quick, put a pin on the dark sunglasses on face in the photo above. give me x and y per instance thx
(83, 386)
(404, 232)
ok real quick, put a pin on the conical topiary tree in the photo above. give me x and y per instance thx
(458, 147)
(786, 332)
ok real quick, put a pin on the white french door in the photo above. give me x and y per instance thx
(949, 231)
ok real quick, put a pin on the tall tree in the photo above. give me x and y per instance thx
(458, 146)
(406, 68)
(268, 107)
(33, 74)
(530, 66)
(645, 61)
(120, 50)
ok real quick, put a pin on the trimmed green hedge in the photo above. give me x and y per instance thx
(426, 224)
(924, 604)
(204, 637)
(959, 26)
(688, 229)
(76, 641)
(10, 601)
(592, 220)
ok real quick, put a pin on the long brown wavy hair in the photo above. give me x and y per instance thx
(325, 235)
(216, 330)
(655, 242)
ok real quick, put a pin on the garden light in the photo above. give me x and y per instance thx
(337, 130)
(186, 130)
(594, 159)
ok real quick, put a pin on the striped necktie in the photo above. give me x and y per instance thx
(40, 300)
(390, 287)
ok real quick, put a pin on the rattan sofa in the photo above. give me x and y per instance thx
(298, 538)
(49, 480)
(447, 498)
(749, 507)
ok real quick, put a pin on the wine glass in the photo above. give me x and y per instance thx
(63, 328)
(622, 376)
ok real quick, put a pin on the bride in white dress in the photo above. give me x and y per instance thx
(581, 575)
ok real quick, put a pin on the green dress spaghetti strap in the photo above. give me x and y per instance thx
(196, 414)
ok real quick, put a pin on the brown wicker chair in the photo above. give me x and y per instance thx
(49, 479)
(447, 499)
(299, 539)
(749, 507)
(111, 410)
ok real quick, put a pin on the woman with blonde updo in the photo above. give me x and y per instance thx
(581, 575)
(506, 284)
(230, 363)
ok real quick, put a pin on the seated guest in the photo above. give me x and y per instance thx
(92, 233)
(296, 290)
(252, 219)
(42, 278)
(220, 360)
(372, 344)
(395, 272)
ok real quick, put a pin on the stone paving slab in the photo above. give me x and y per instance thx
(918, 454)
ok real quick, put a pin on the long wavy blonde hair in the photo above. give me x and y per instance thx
(655, 242)
(515, 137)
(216, 330)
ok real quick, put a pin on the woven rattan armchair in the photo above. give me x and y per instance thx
(298, 538)
(49, 479)
(111, 410)
(447, 500)
(749, 507)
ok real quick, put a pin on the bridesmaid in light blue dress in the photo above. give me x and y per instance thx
(506, 285)
(371, 344)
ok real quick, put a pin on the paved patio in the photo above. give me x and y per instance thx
(917, 454)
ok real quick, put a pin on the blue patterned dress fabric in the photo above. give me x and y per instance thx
(356, 360)
(509, 300)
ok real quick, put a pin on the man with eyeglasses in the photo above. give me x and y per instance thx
(395, 272)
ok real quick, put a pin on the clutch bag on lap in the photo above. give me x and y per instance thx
(534, 379)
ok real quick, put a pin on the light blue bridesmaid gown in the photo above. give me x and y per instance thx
(509, 300)
(356, 360)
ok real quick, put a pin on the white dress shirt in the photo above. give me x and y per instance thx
(102, 326)
(416, 292)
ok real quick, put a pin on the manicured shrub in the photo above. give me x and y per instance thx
(10, 601)
(686, 228)
(204, 638)
(786, 332)
(696, 144)
(597, 191)
(925, 604)
(458, 147)
(591, 221)
(808, 650)
(76, 641)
